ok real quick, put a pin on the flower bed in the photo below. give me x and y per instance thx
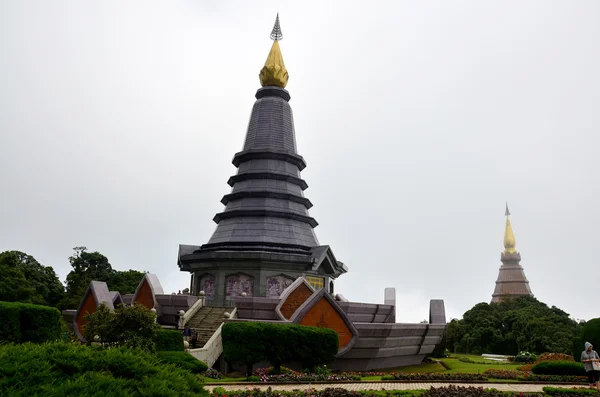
(329, 392)
(450, 391)
(502, 374)
(212, 373)
(554, 357)
(526, 376)
(263, 376)
(436, 376)
(554, 378)
(301, 378)
(270, 371)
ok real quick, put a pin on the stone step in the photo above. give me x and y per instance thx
(206, 321)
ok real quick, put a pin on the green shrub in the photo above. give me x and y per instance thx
(271, 371)
(244, 343)
(24, 322)
(213, 374)
(558, 368)
(183, 360)
(169, 340)
(250, 342)
(314, 346)
(63, 369)
(10, 326)
(253, 379)
(320, 370)
(130, 326)
(525, 357)
(559, 391)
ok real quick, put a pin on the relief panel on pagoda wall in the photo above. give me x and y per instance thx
(207, 284)
(238, 283)
(277, 284)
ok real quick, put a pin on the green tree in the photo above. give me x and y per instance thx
(14, 287)
(87, 266)
(41, 285)
(452, 334)
(511, 326)
(125, 282)
(130, 326)
(48, 288)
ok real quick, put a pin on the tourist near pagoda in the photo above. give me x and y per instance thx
(511, 280)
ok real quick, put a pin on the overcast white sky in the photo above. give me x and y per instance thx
(418, 120)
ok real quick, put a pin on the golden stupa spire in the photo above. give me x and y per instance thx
(274, 72)
(509, 237)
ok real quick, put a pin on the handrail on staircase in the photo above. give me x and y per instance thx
(213, 348)
(184, 317)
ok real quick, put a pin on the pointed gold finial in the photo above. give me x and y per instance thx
(274, 72)
(509, 237)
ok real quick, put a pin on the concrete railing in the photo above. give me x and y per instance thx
(184, 317)
(495, 357)
(211, 351)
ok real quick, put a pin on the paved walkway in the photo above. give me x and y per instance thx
(515, 387)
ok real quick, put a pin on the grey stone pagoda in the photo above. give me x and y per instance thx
(511, 280)
(264, 238)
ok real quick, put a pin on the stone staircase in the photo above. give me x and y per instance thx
(206, 321)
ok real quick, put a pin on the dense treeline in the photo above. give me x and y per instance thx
(24, 279)
(519, 324)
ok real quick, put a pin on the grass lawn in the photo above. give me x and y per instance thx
(418, 369)
(454, 364)
(479, 359)
(459, 366)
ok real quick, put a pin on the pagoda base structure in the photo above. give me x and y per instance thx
(369, 337)
(225, 275)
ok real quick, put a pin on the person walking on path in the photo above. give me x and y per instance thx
(591, 360)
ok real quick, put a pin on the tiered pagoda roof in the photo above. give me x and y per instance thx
(266, 212)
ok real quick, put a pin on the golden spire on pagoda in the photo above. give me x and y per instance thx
(274, 72)
(509, 237)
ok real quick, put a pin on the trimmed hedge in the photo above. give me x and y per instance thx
(559, 391)
(24, 322)
(558, 368)
(169, 341)
(66, 369)
(183, 360)
(251, 342)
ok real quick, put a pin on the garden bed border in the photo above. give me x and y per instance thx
(321, 382)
